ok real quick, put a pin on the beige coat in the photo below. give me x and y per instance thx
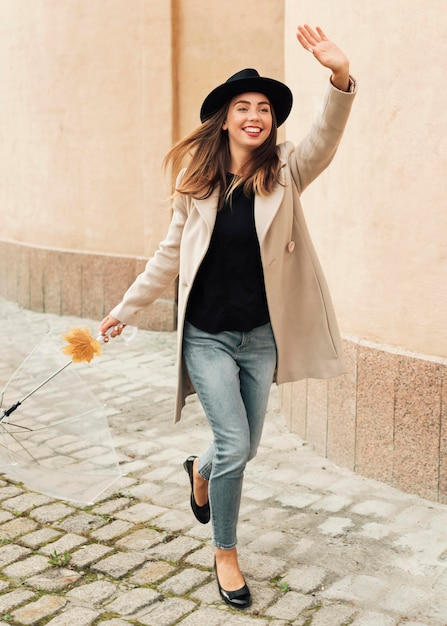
(301, 312)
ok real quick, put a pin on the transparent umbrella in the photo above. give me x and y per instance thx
(54, 435)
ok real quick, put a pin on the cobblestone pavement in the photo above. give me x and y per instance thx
(319, 545)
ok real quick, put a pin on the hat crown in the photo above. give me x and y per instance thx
(243, 75)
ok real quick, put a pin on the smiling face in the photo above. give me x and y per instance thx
(248, 122)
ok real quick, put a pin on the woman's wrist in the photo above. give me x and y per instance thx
(341, 79)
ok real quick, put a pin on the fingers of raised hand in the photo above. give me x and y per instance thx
(309, 38)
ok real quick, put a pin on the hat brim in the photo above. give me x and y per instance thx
(278, 94)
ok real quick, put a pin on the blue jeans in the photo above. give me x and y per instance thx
(232, 373)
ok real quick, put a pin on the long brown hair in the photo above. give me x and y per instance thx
(208, 151)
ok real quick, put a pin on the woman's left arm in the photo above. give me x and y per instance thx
(327, 53)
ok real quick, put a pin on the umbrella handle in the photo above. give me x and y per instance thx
(128, 337)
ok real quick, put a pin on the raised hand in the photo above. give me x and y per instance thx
(327, 53)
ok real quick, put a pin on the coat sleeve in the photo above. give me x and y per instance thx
(160, 272)
(315, 152)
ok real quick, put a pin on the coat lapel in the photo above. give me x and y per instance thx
(266, 208)
(207, 209)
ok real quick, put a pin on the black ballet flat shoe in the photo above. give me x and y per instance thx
(238, 599)
(202, 513)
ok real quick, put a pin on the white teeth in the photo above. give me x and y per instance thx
(252, 129)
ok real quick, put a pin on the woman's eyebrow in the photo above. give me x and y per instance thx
(248, 102)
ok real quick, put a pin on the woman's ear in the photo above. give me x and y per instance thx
(224, 125)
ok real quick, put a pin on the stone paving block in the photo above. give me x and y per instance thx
(335, 526)
(435, 612)
(14, 598)
(9, 492)
(82, 523)
(404, 599)
(64, 544)
(44, 607)
(112, 530)
(39, 537)
(159, 473)
(139, 513)
(110, 507)
(333, 615)
(375, 508)
(209, 617)
(119, 564)
(305, 579)
(130, 602)
(261, 566)
(27, 567)
(115, 622)
(208, 593)
(373, 618)
(174, 550)
(133, 466)
(357, 588)
(5, 516)
(11, 553)
(51, 512)
(16, 527)
(25, 502)
(167, 612)
(257, 492)
(298, 500)
(141, 539)
(331, 504)
(89, 554)
(176, 521)
(76, 616)
(55, 579)
(146, 491)
(169, 497)
(375, 530)
(152, 572)
(290, 605)
(184, 581)
(269, 542)
(94, 593)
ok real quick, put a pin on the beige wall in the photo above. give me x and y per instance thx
(83, 105)
(93, 94)
(378, 218)
(378, 215)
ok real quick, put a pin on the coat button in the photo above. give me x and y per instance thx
(291, 246)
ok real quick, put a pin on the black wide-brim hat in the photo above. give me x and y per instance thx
(246, 80)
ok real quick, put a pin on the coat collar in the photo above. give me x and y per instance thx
(266, 208)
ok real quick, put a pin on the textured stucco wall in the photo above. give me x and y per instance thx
(93, 94)
(378, 215)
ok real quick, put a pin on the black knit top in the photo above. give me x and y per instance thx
(228, 292)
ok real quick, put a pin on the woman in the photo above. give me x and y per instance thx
(253, 302)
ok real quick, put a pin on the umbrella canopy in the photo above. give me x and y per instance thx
(54, 434)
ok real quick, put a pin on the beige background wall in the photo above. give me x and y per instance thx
(378, 218)
(93, 94)
(378, 215)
